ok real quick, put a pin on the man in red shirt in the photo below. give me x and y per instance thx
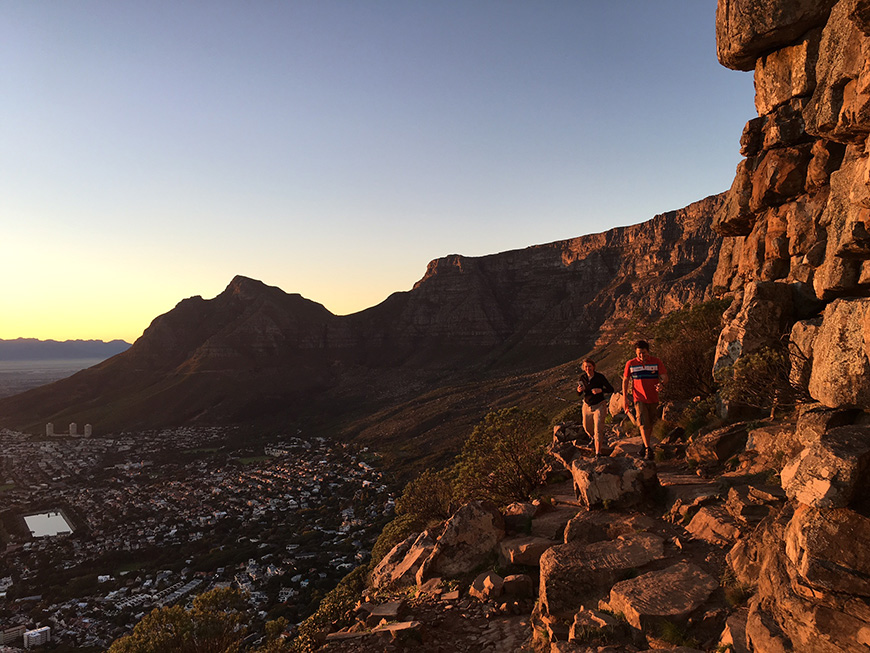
(644, 375)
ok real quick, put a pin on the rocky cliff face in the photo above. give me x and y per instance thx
(796, 254)
(255, 350)
(795, 218)
(557, 296)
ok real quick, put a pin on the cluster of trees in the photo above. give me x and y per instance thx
(216, 623)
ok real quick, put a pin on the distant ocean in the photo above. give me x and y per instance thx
(18, 376)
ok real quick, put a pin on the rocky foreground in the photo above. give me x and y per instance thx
(751, 537)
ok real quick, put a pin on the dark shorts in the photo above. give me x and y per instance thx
(646, 413)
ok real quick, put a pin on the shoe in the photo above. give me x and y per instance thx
(648, 453)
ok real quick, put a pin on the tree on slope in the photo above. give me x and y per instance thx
(215, 624)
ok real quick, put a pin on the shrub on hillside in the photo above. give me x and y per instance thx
(216, 622)
(686, 341)
(335, 609)
(700, 414)
(503, 458)
(763, 380)
(430, 497)
(573, 413)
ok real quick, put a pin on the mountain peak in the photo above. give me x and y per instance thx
(246, 288)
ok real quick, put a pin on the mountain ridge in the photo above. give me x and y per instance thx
(257, 353)
(20, 349)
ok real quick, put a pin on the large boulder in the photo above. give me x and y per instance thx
(839, 272)
(486, 586)
(523, 550)
(838, 107)
(716, 447)
(803, 335)
(468, 540)
(841, 355)
(595, 526)
(832, 472)
(714, 524)
(821, 544)
(787, 73)
(787, 614)
(670, 594)
(550, 524)
(518, 516)
(750, 504)
(574, 575)
(748, 29)
(769, 448)
(613, 482)
(780, 175)
(399, 567)
(814, 420)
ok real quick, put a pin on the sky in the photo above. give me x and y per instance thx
(151, 151)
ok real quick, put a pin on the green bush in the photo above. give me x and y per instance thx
(429, 497)
(573, 413)
(676, 634)
(503, 459)
(699, 414)
(216, 622)
(686, 341)
(335, 610)
(762, 379)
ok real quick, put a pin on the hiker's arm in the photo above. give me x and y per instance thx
(626, 382)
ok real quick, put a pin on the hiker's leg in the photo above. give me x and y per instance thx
(644, 423)
(588, 421)
(598, 421)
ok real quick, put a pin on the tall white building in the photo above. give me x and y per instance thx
(37, 637)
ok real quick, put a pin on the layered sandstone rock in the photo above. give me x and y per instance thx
(795, 219)
(669, 594)
(466, 541)
(796, 215)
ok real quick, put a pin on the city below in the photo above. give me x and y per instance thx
(97, 531)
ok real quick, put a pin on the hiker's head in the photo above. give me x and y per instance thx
(641, 349)
(589, 367)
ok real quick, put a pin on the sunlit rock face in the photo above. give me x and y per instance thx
(796, 255)
(797, 212)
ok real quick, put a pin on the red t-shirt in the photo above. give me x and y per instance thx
(644, 377)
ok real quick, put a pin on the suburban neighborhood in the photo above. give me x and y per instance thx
(156, 518)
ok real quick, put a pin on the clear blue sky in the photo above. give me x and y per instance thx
(150, 151)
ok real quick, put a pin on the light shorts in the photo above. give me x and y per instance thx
(646, 413)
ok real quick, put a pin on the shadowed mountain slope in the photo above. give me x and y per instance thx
(257, 354)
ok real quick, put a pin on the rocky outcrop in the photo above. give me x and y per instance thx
(716, 447)
(670, 594)
(466, 541)
(831, 472)
(399, 567)
(840, 371)
(806, 561)
(795, 218)
(574, 574)
(613, 482)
